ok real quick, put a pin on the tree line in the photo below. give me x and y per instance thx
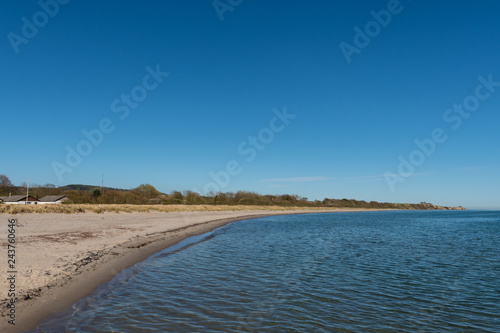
(148, 194)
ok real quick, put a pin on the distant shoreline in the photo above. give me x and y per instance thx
(129, 208)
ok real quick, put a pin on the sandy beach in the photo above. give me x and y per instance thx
(61, 258)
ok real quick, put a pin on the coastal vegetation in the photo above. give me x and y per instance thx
(146, 197)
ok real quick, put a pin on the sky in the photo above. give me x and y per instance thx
(393, 101)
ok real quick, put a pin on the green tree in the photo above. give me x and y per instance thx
(191, 197)
(96, 193)
(148, 191)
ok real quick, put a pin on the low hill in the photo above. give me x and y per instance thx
(81, 187)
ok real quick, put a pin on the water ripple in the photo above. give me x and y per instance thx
(356, 272)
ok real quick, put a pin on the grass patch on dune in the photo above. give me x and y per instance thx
(119, 208)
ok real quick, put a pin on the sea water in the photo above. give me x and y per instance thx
(395, 271)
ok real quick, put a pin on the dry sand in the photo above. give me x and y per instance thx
(62, 258)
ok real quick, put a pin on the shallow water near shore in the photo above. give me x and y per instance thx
(401, 271)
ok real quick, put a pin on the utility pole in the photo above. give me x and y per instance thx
(102, 183)
(27, 191)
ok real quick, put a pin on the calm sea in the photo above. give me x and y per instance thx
(345, 272)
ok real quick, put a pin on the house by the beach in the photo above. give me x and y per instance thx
(19, 200)
(54, 199)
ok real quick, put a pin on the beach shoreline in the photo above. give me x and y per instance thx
(64, 258)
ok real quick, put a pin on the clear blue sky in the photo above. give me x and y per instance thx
(353, 120)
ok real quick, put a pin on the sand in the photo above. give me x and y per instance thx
(62, 258)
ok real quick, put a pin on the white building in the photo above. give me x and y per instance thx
(19, 200)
